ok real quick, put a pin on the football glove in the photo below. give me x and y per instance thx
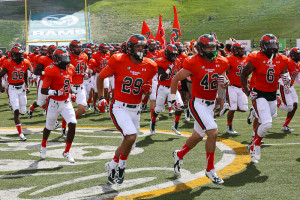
(222, 80)
(286, 79)
(56, 92)
(253, 95)
(102, 103)
(73, 98)
(146, 88)
(177, 106)
(286, 89)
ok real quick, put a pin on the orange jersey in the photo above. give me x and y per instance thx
(293, 68)
(129, 77)
(165, 64)
(153, 55)
(101, 60)
(45, 61)
(204, 75)
(79, 62)
(36, 60)
(266, 73)
(236, 67)
(56, 79)
(182, 57)
(16, 72)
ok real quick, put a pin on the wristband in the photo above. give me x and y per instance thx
(173, 97)
(168, 71)
(43, 72)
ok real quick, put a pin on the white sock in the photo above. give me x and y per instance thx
(113, 164)
(122, 164)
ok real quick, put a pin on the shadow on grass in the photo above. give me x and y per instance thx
(298, 159)
(276, 135)
(148, 140)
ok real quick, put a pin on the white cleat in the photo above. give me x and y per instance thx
(22, 137)
(69, 157)
(257, 152)
(43, 152)
(287, 129)
(152, 128)
(177, 162)
(213, 176)
(225, 109)
(175, 130)
(252, 154)
(231, 131)
(187, 115)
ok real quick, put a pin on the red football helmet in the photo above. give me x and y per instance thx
(171, 52)
(50, 50)
(237, 49)
(151, 45)
(75, 47)
(88, 52)
(295, 54)
(17, 54)
(103, 48)
(123, 47)
(43, 50)
(269, 45)
(61, 58)
(180, 47)
(205, 41)
(137, 39)
(18, 45)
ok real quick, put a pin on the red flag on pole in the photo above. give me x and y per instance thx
(146, 31)
(176, 33)
(160, 35)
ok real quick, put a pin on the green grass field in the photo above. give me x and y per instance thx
(24, 176)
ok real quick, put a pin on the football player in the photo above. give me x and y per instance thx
(79, 61)
(236, 98)
(288, 93)
(267, 66)
(208, 71)
(132, 73)
(16, 69)
(168, 66)
(39, 70)
(56, 84)
(101, 58)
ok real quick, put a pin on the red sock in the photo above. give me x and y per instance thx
(254, 128)
(152, 117)
(44, 143)
(68, 146)
(145, 100)
(287, 121)
(116, 159)
(44, 107)
(19, 128)
(32, 108)
(63, 124)
(170, 109)
(210, 157)
(94, 103)
(89, 101)
(177, 118)
(183, 151)
(229, 123)
(122, 157)
(258, 140)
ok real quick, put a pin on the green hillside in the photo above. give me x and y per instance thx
(116, 20)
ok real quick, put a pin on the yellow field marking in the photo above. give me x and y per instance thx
(240, 162)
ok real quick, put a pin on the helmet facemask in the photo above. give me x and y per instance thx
(17, 57)
(270, 48)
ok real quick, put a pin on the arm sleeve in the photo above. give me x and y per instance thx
(47, 82)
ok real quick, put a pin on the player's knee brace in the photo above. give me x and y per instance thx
(263, 129)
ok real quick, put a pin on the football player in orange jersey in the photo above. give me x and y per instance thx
(101, 58)
(267, 65)
(208, 71)
(56, 84)
(39, 70)
(16, 68)
(153, 54)
(88, 81)
(287, 91)
(168, 66)
(79, 61)
(235, 96)
(132, 73)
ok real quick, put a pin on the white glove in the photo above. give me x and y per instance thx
(177, 106)
(222, 80)
(253, 95)
(169, 70)
(286, 79)
(56, 92)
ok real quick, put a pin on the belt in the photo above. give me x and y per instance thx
(166, 86)
(76, 86)
(130, 105)
(17, 86)
(236, 86)
(208, 103)
(65, 101)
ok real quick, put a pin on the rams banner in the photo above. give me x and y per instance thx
(57, 27)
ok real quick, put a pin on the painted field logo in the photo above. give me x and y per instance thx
(60, 20)
(23, 175)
